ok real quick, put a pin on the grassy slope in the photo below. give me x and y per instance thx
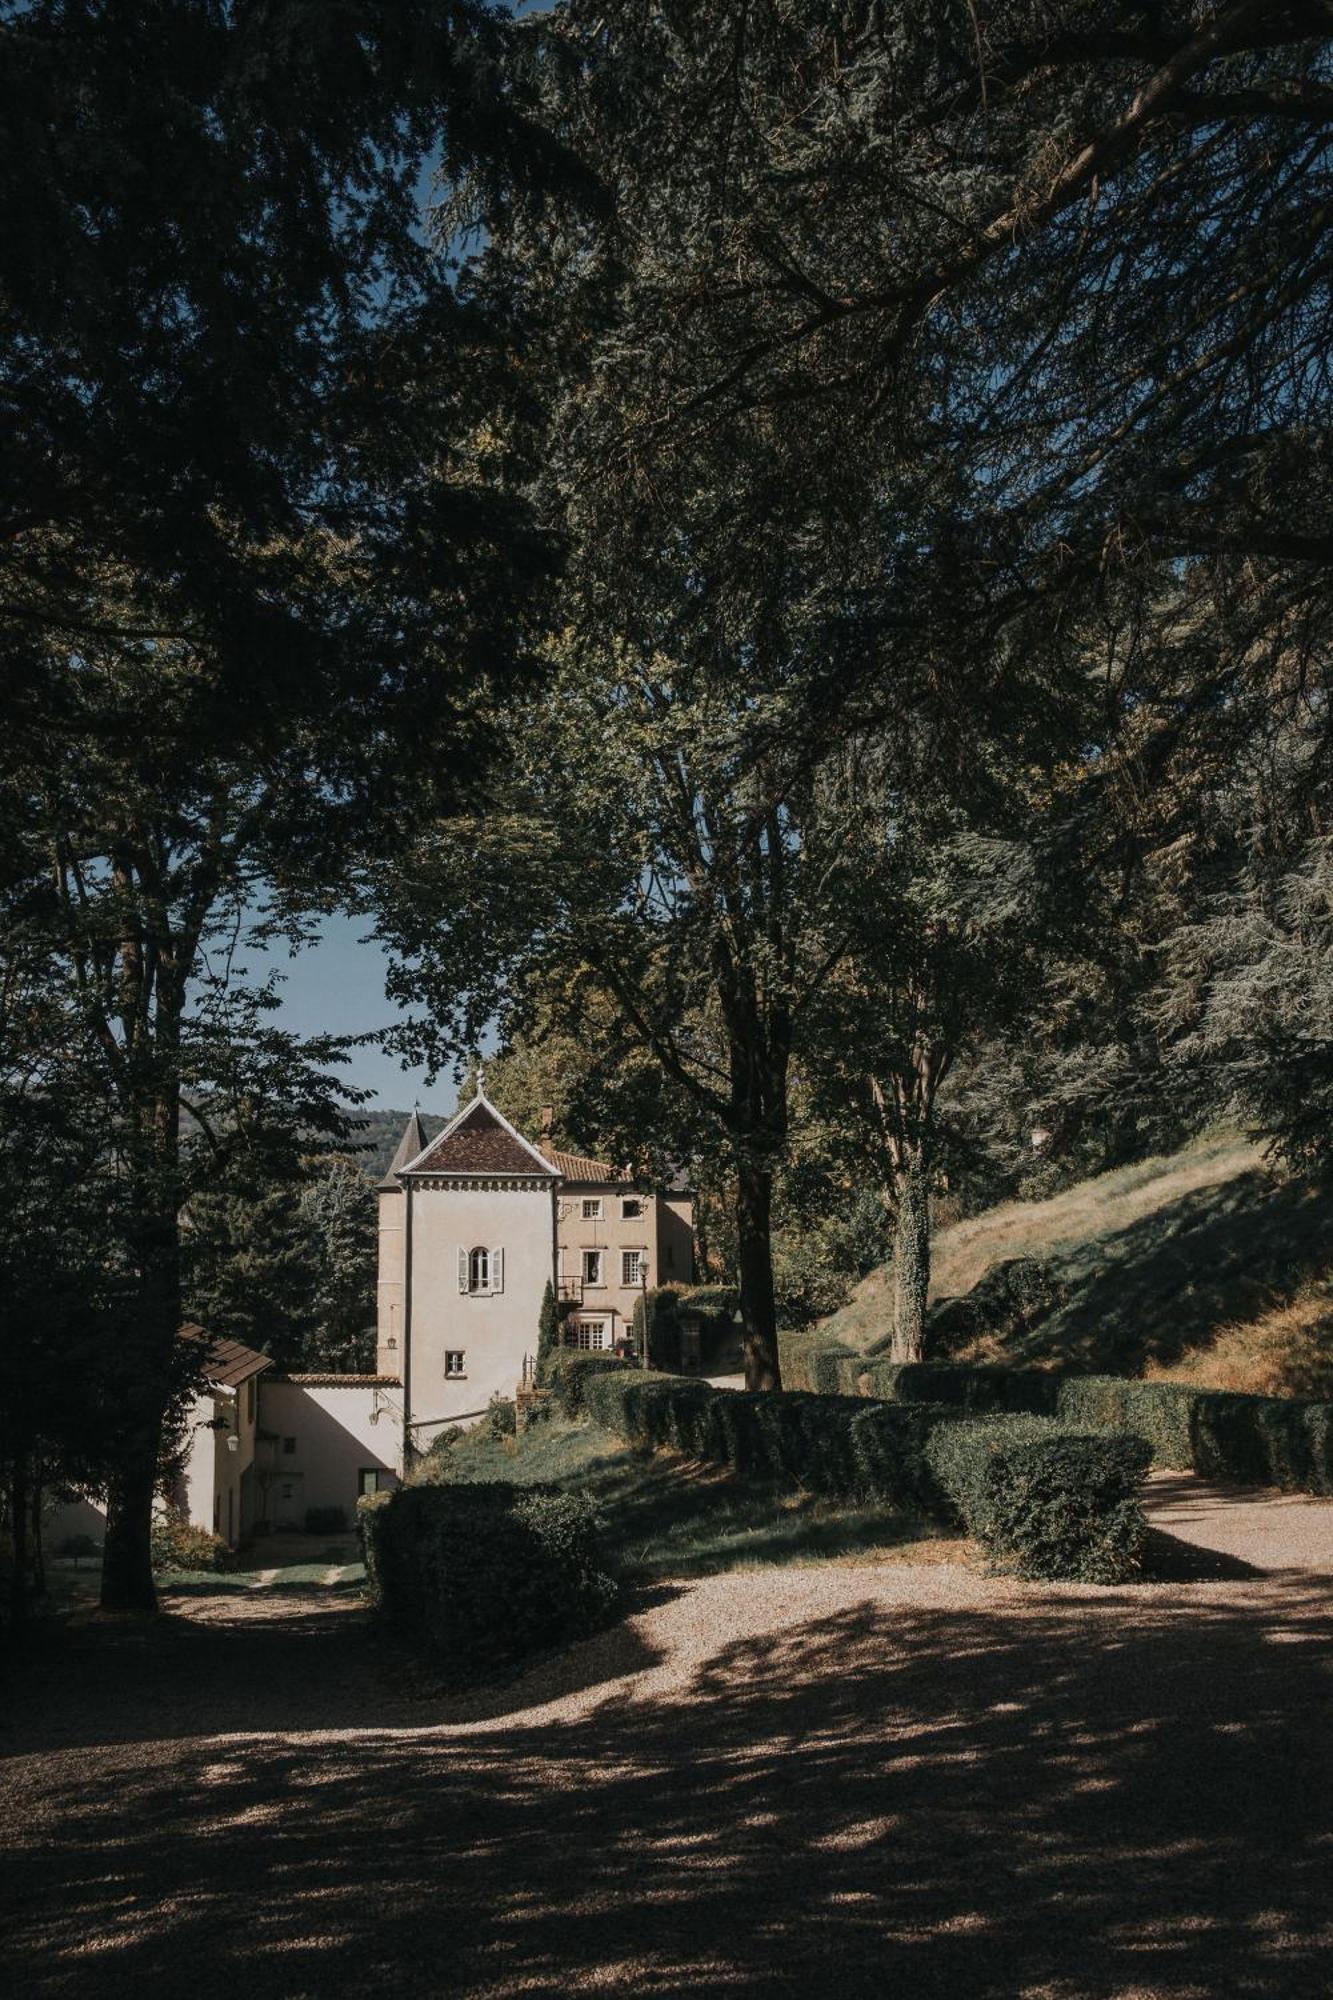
(667, 1516)
(1203, 1264)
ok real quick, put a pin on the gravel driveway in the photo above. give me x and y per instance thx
(891, 1780)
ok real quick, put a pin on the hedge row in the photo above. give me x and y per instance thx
(1043, 1500)
(482, 1576)
(1252, 1440)
(825, 1368)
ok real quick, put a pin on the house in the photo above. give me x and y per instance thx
(262, 1450)
(473, 1226)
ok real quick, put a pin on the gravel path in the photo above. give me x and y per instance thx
(889, 1779)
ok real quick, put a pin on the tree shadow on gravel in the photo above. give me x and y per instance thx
(1088, 1795)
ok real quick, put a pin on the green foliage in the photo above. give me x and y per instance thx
(817, 1365)
(287, 1263)
(1040, 1498)
(176, 1544)
(718, 1301)
(1264, 1440)
(568, 1373)
(1045, 1501)
(548, 1325)
(483, 1576)
(502, 1416)
(1247, 1440)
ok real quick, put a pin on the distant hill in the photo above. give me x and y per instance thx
(378, 1133)
(1204, 1264)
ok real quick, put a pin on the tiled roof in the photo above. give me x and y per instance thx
(413, 1141)
(228, 1363)
(479, 1142)
(578, 1166)
(340, 1381)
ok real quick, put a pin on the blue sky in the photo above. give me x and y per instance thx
(336, 987)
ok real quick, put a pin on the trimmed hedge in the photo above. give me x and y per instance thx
(1043, 1500)
(826, 1368)
(483, 1576)
(1249, 1440)
(1046, 1502)
(567, 1372)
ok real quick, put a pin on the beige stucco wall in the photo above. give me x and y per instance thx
(217, 1485)
(494, 1332)
(339, 1430)
(389, 1288)
(665, 1221)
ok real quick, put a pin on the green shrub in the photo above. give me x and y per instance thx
(567, 1373)
(820, 1367)
(177, 1544)
(1162, 1412)
(889, 1443)
(483, 1576)
(326, 1520)
(1014, 1391)
(1045, 1501)
(719, 1301)
(1245, 1440)
(502, 1416)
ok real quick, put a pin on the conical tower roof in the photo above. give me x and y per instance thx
(412, 1143)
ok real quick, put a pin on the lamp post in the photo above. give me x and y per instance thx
(643, 1298)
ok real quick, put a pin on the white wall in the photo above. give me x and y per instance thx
(335, 1439)
(492, 1332)
(389, 1289)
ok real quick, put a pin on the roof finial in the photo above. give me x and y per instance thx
(481, 1079)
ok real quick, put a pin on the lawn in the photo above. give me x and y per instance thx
(668, 1516)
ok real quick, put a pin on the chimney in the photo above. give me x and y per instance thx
(548, 1120)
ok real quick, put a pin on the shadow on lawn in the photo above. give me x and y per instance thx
(1085, 1796)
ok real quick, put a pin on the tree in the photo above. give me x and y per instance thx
(259, 562)
(945, 954)
(338, 1211)
(658, 846)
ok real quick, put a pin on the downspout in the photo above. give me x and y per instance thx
(407, 1327)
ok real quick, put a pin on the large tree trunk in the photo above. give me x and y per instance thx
(154, 1378)
(911, 1260)
(754, 1220)
(21, 1580)
(127, 1570)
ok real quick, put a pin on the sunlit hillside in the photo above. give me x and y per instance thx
(1205, 1263)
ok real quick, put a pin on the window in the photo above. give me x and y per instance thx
(592, 1208)
(373, 1479)
(455, 1362)
(481, 1271)
(631, 1208)
(592, 1267)
(631, 1267)
(288, 1446)
(588, 1334)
